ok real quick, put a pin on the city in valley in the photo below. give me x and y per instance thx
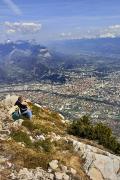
(82, 94)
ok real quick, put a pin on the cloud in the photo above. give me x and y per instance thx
(111, 31)
(115, 26)
(22, 27)
(13, 6)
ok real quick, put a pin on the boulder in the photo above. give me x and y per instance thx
(65, 177)
(99, 164)
(32, 174)
(9, 101)
(64, 168)
(61, 176)
(25, 174)
(95, 174)
(18, 123)
(13, 109)
(58, 175)
(106, 166)
(53, 164)
(73, 171)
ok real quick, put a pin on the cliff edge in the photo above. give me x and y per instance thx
(43, 149)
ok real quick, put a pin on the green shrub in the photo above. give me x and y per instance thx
(103, 134)
(103, 130)
(82, 128)
(100, 132)
(85, 120)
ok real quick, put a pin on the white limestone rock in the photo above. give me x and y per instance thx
(53, 164)
(12, 175)
(32, 174)
(4, 137)
(37, 105)
(106, 166)
(13, 109)
(49, 170)
(58, 175)
(18, 123)
(65, 177)
(61, 176)
(9, 164)
(32, 139)
(116, 165)
(98, 163)
(64, 168)
(54, 137)
(62, 117)
(95, 174)
(25, 174)
(9, 101)
(21, 144)
(40, 137)
(73, 171)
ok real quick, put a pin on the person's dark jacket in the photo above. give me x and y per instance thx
(21, 106)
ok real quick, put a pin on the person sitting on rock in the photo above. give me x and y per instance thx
(23, 107)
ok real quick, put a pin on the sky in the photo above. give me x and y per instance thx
(58, 19)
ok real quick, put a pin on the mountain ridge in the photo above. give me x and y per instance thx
(17, 59)
(42, 149)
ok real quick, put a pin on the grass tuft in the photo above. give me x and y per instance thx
(20, 136)
(47, 145)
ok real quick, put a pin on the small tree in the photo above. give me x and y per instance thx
(85, 120)
(100, 132)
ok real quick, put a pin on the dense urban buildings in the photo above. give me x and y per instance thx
(84, 93)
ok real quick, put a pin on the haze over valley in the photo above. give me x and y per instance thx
(86, 82)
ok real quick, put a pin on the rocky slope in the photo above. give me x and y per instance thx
(42, 149)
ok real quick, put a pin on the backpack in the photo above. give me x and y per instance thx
(16, 115)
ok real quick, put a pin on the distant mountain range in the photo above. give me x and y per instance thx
(24, 61)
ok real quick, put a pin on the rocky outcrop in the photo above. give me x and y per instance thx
(29, 174)
(99, 164)
(39, 174)
(9, 101)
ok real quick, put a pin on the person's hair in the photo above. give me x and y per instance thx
(20, 98)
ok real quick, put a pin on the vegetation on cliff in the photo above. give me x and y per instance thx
(49, 137)
(100, 132)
